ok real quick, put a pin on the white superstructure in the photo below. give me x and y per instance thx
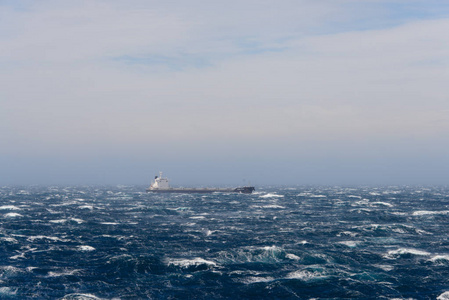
(159, 183)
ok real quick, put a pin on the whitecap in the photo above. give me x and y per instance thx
(8, 271)
(60, 221)
(208, 232)
(303, 194)
(86, 207)
(254, 279)
(271, 195)
(292, 256)
(12, 215)
(406, 251)
(430, 212)
(318, 196)
(21, 255)
(350, 244)
(273, 206)
(362, 202)
(79, 221)
(9, 207)
(78, 296)
(347, 233)
(63, 273)
(9, 240)
(382, 203)
(443, 296)
(257, 193)
(185, 263)
(43, 237)
(7, 291)
(440, 258)
(386, 268)
(86, 248)
(305, 275)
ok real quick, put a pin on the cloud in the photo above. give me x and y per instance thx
(91, 76)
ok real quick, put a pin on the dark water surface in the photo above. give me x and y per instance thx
(279, 243)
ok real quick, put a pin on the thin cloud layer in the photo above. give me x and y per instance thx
(87, 77)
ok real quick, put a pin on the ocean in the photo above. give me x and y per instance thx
(304, 242)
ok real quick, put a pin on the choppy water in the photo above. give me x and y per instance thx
(288, 243)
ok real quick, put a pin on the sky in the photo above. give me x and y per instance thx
(285, 92)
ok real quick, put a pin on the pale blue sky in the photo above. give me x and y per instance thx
(218, 92)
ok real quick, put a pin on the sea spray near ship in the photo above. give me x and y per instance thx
(161, 185)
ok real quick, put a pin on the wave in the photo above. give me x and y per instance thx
(12, 215)
(350, 244)
(191, 264)
(62, 221)
(380, 203)
(10, 271)
(443, 296)
(43, 237)
(77, 296)
(405, 252)
(269, 206)
(90, 207)
(9, 207)
(429, 212)
(379, 229)
(7, 292)
(271, 195)
(266, 254)
(86, 248)
(292, 256)
(255, 279)
(9, 240)
(63, 273)
(440, 259)
(307, 275)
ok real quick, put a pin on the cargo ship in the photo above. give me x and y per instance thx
(161, 185)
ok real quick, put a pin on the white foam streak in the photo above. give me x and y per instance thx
(269, 206)
(9, 207)
(86, 207)
(292, 256)
(350, 244)
(63, 273)
(185, 263)
(440, 258)
(382, 203)
(7, 291)
(43, 237)
(271, 195)
(86, 248)
(430, 212)
(12, 215)
(305, 275)
(78, 296)
(405, 251)
(254, 279)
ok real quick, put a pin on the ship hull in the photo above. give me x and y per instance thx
(243, 190)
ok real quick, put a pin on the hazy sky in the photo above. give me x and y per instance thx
(224, 92)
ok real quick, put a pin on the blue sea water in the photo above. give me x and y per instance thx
(278, 243)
